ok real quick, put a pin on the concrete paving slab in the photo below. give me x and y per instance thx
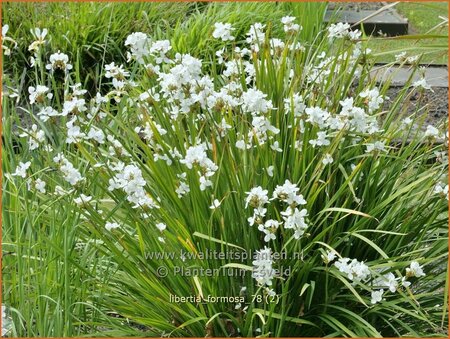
(388, 22)
(435, 76)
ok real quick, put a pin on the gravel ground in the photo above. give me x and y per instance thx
(357, 6)
(436, 102)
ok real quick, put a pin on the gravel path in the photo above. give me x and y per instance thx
(436, 102)
(357, 6)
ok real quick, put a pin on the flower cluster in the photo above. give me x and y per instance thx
(223, 31)
(139, 44)
(293, 217)
(196, 155)
(71, 174)
(263, 271)
(129, 178)
(289, 24)
(358, 272)
(342, 30)
(355, 270)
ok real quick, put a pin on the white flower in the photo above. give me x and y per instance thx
(223, 31)
(354, 269)
(263, 272)
(295, 219)
(46, 113)
(288, 193)
(35, 137)
(196, 155)
(76, 90)
(139, 44)
(130, 180)
(59, 61)
(111, 225)
(82, 200)
(254, 101)
(40, 39)
(256, 36)
(257, 197)
(422, 83)
(39, 185)
(159, 49)
(270, 292)
(317, 116)
(321, 139)
(356, 116)
(5, 29)
(295, 105)
(388, 280)
(329, 257)
(223, 127)
(74, 134)
(270, 171)
(39, 93)
(6, 322)
(406, 122)
(204, 183)
(289, 25)
(376, 146)
(73, 106)
(441, 189)
(402, 57)
(261, 127)
(415, 270)
(432, 132)
(328, 159)
(116, 72)
(21, 169)
(182, 189)
(342, 30)
(5, 48)
(376, 296)
(161, 226)
(374, 99)
(405, 283)
(269, 228)
(59, 190)
(216, 203)
(71, 174)
(276, 146)
(97, 135)
(240, 144)
(276, 46)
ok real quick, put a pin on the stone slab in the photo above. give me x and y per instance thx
(388, 22)
(434, 75)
